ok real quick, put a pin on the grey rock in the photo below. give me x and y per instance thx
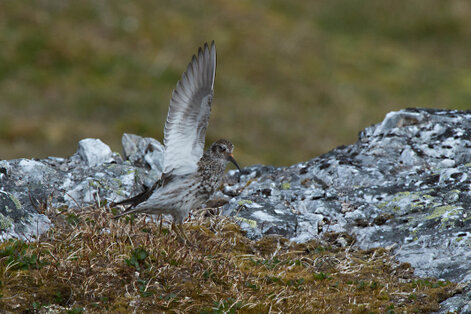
(91, 176)
(144, 152)
(403, 184)
(94, 152)
(460, 303)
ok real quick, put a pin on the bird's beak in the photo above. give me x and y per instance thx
(230, 158)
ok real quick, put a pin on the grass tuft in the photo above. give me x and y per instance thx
(93, 263)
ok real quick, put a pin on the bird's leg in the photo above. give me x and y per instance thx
(160, 226)
(180, 226)
(182, 239)
(174, 228)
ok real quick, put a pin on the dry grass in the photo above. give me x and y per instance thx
(91, 263)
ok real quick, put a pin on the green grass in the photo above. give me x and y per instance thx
(294, 79)
(100, 265)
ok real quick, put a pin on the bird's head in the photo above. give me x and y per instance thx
(223, 149)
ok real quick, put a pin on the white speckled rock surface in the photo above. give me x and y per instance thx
(92, 175)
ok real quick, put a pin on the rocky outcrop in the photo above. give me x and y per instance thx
(404, 185)
(93, 175)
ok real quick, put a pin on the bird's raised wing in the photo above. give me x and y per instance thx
(188, 114)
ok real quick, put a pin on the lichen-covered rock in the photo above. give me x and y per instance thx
(144, 152)
(405, 184)
(92, 175)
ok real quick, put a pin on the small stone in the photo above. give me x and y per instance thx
(94, 152)
(341, 241)
(144, 152)
(446, 163)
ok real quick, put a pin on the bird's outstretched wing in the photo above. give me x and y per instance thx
(188, 114)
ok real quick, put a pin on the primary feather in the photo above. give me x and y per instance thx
(188, 114)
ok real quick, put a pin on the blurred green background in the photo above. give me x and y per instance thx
(294, 79)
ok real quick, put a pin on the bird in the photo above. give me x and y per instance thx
(190, 174)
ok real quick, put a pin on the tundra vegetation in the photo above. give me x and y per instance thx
(89, 262)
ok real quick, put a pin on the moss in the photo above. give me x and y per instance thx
(15, 201)
(401, 195)
(285, 186)
(421, 202)
(382, 205)
(413, 234)
(94, 183)
(5, 222)
(250, 222)
(440, 211)
(243, 202)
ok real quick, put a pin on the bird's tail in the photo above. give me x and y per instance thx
(128, 211)
(135, 200)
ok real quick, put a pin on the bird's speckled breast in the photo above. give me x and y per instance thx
(211, 176)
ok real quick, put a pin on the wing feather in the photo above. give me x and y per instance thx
(188, 114)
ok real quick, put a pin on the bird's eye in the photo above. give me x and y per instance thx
(221, 148)
(217, 148)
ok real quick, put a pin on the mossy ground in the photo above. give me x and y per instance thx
(89, 262)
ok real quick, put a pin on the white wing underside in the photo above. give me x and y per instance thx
(188, 114)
